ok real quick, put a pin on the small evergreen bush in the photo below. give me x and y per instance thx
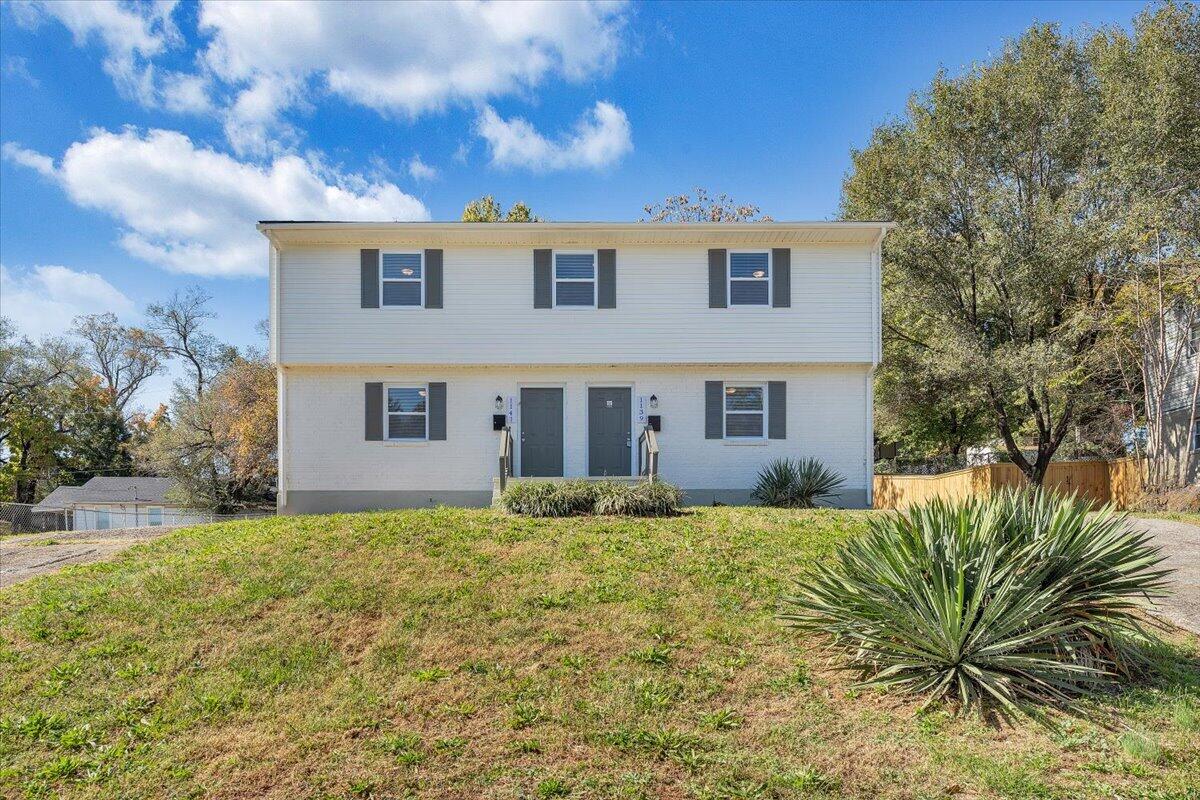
(785, 483)
(574, 498)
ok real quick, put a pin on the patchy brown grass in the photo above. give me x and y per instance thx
(471, 654)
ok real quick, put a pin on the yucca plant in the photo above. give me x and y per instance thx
(1016, 601)
(785, 483)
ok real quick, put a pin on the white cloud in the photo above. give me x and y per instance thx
(41, 164)
(191, 209)
(44, 300)
(185, 94)
(17, 67)
(131, 35)
(418, 170)
(601, 137)
(401, 58)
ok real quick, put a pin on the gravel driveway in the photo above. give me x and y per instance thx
(1181, 543)
(22, 557)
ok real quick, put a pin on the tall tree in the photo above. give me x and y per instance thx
(487, 209)
(180, 327)
(124, 357)
(700, 207)
(1149, 196)
(996, 269)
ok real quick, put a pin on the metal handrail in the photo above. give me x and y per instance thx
(506, 456)
(648, 443)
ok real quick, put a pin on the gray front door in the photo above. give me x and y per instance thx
(542, 433)
(609, 429)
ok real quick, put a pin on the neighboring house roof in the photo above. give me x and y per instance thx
(110, 490)
(571, 233)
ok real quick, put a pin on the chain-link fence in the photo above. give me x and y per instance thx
(25, 518)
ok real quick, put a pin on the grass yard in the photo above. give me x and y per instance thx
(455, 653)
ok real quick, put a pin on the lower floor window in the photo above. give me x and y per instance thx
(406, 413)
(745, 411)
(102, 520)
(154, 516)
(1196, 436)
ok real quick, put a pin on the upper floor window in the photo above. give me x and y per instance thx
(750, 278)
(745, 411)
(406, 417)
(1196, 436)
(1193, 345)
(402, 278)
(575, 280)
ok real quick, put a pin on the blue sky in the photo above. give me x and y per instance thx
(142, 141)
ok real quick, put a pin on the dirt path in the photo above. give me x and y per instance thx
(23, 557)
(1181, 543)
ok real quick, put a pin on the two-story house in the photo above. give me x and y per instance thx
(407, 352)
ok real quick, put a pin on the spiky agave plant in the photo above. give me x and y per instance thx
(785, 483)
(1017, 601)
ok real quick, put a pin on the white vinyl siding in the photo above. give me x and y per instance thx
(828, 415)
(661, 316)
(402, 280)
(575, 279)
(749, 278)
(745, 411)
(406, 416)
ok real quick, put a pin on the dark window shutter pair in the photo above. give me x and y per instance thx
(368, 262)
(714, 410)
(436, 409)
(606, 279)
(781, 278)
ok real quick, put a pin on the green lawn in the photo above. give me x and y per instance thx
(458, 653)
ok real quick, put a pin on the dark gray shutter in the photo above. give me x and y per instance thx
(714, 411)
(777, 410)
(718, 290)
(368, 261)
(437, 412)
(433, 278)
(374, 412)
(606, 284)
(781, 281)
(543, 291)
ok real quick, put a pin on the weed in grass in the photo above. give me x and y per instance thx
(663, 743)
(1186, 715)
(553, 637)
(660, 633)
(452, 746)
(725, 719)
(60, 677)
(363, 788)
(549, 601)
(734, 789)
(553, 787)
(524, 715)
(527, 746)
(38, 726)
(464, 709)
(1140, 747)
(656, 694)
(806, 780)
(576, 662)
(431, 674)
(405, 747)
(78, 738)
(656, 655)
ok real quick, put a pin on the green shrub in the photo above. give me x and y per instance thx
(656, 499)
(573, 498)
(785, 483)
(1019, 600)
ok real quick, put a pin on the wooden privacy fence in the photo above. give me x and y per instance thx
(1118, 482)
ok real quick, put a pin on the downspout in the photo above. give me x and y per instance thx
(876, 358)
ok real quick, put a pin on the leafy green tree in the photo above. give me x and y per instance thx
(487, 209)
(996, 273)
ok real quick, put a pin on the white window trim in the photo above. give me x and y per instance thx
(729, 279)
(594, 280)
(1195, 442)
(405, 440)
(725, 412)
(420, 254)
